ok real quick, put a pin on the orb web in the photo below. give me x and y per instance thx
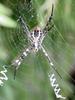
(59, 50)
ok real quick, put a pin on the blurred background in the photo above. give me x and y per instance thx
(32, 82)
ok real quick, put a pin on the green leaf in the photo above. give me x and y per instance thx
(6, 21)
(4, 10)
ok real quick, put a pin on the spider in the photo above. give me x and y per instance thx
(36, 37)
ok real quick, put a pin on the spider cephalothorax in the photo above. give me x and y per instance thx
(37, 37)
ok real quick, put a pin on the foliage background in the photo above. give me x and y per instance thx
(32, 81)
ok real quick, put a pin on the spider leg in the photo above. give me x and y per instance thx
(50, 18)
(17, 62)
(48, 27)
(14, 72)
(49, 60)
(44, 34)
(25, 27)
